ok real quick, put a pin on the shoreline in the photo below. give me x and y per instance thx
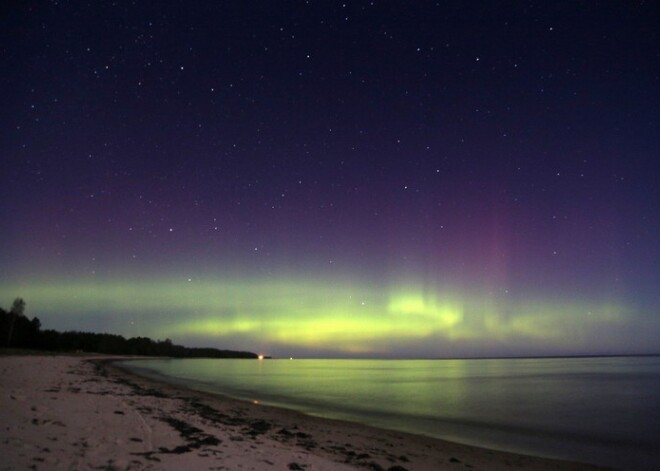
(82, 412)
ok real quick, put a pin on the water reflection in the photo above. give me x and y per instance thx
(602, 410)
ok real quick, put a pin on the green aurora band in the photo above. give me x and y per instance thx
(304, 316)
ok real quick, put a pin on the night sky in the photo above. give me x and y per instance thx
(387, 179)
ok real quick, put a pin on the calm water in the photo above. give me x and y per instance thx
(598, 410)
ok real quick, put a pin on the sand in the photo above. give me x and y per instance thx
(79, 412)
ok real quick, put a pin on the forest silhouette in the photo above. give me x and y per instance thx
(17, 331)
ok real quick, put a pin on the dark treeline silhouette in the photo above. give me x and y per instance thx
(17, 331)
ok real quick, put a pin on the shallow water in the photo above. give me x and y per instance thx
(598, 410)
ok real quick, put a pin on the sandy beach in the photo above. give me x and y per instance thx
(80, 412)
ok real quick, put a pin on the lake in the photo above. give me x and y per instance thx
(601, 410)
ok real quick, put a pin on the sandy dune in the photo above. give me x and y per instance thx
(72, 412)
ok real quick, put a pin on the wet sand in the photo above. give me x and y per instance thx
(81, 412)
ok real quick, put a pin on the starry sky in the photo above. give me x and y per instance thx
(320, 178)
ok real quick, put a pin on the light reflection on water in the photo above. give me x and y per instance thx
(598, 410)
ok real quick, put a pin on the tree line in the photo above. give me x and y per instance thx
(17, 331)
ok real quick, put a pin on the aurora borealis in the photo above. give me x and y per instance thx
(326, 317)
(335, 179)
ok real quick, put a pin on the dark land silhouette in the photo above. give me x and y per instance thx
(17, 331)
